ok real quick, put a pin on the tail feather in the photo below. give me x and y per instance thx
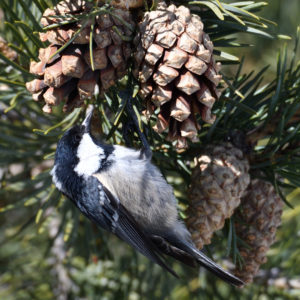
(215, 268)
(204, 261)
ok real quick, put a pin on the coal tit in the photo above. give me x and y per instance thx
(123, 192)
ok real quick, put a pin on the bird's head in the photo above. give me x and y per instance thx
(78, 152)
(68, 146)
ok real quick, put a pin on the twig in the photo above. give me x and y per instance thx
(131, 113)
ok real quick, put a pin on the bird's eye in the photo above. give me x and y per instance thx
(77, 137)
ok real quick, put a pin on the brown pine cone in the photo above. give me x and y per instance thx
(177, 72)
(219, 180)
(69, 75)
(259, 215)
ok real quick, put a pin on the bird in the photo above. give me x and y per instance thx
(120, 190)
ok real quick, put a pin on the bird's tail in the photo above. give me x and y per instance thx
(215, 268)
(207, 263)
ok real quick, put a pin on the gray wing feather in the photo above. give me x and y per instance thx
(128, 230)
(110, 214)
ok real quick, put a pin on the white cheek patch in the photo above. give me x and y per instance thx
(89, 155)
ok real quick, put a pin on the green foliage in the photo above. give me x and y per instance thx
(43, 235)
(238, 17)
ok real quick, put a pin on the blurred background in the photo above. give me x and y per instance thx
(41, 260)
(264, 51)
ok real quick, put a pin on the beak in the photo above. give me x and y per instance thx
(87, 121)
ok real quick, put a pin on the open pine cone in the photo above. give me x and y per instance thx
(219, 180)
(69, 75)
(176, 69)
(260, 215)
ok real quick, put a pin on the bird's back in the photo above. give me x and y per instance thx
(141, 188)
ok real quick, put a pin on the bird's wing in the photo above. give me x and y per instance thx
(109, 213)
(172, 251)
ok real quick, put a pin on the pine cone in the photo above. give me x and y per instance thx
(177, 72)
(260, 215)
(69, 75)
(219, 180)
(6, 50)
